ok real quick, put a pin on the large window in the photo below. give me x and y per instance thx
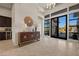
(73, 25)
(46, 27)
(59, 23)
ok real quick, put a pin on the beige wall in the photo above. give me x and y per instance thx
(19, 11)
(5, 12)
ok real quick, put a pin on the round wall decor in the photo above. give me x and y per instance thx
(28, 21)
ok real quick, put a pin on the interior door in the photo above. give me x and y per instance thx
(62, 27)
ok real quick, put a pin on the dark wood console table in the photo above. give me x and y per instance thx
(24, 37)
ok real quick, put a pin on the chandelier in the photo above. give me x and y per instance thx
(44, 8)
(50, 6)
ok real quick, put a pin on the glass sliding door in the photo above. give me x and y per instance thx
(62, 27)
(54, 27)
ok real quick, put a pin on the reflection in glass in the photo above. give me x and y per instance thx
(54, 27)
(74, 25)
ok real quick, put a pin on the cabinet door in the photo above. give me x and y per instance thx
(2, 36)
(8, 22)
(1, 22)
(23, 37)
(5, 21)
(9, 35)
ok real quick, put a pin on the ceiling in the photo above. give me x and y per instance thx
(6, 5)
(9, 5)
(42, 7)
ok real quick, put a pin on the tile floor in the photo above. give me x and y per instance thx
(44, 47)
(5, 45)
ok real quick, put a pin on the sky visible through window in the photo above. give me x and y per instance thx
(72, 20)
(62, 21)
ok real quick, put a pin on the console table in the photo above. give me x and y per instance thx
(24, 37)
